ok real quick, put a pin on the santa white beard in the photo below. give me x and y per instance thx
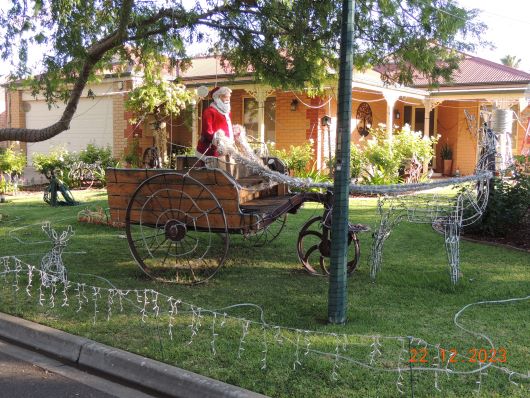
(223, 107)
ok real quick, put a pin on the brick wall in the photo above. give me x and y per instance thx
(16, 117)
(119, 123)
(292, 127)
(465, 155)
(3, 124)
(452, 126)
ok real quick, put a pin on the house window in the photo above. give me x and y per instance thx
(250, 118)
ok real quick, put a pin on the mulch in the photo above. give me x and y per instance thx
(515, 238)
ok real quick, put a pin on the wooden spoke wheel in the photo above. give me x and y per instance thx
(266, 235)
(314, 248)
(176, 229)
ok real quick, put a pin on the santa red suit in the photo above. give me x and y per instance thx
(214, 118)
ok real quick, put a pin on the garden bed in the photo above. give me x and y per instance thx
(518, 237)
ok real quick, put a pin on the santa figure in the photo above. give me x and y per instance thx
(215, 118)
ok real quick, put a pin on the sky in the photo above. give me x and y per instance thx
(508, 24)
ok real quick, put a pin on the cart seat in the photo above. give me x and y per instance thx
(273, 207)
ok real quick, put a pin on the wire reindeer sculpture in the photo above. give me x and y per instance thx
(448, 213)
(52, 267)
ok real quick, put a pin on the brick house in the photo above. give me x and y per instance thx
(292, 118)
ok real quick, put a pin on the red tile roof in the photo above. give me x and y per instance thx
(473, 71)
(478, 71)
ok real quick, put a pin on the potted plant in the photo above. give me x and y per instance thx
(446, 154)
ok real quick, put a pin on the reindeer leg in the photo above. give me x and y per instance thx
(388, 221)
(452, 242)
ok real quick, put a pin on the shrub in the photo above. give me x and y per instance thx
(522, 164)
(97, 155)
(357, 160)
(317, 176)
(132, 153)
(384, 158)
(409, 144)
(59, 162)
(12, 162)
(508, 204)
(296, 158)
(382, 162)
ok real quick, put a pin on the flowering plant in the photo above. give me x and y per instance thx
(385, 158)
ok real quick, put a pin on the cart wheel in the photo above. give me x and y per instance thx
(268, 234)
(176, 229)
(314, 248)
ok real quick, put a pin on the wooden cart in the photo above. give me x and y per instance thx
(178, 222)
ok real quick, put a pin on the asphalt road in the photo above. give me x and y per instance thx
(28, 374)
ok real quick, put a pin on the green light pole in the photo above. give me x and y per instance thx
(338, 292)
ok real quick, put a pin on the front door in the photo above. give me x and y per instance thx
(414, 116)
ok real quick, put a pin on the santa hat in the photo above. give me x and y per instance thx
(218, 91)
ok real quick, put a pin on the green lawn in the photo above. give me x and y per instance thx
(297, 354)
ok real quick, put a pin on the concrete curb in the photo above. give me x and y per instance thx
(134, 369)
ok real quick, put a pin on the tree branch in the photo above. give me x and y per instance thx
(94, 54)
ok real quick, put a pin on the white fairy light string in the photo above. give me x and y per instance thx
(436, 364)
(301, 340)
(312, 106)
(401, 359)
(173, 312)
(192, 326)
(297, 362)
(334, 373)
(265, 348)
(375, 350)
(244, 332)
(214, 334)
(96, 293)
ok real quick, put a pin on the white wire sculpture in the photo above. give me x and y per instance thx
(452, 213)
(52, 263)
(448, 213)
